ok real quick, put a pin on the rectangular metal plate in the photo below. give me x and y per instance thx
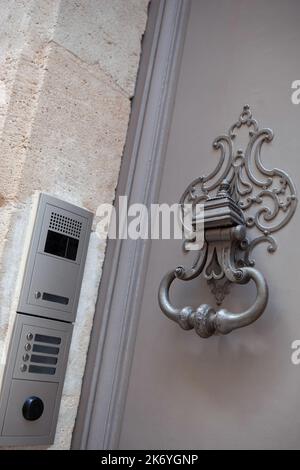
(55, 261)
(40, 352)
(36, 366)
(14, 424)
(56, 278)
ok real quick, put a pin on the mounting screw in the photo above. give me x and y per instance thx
(179, 271)
(238, 275)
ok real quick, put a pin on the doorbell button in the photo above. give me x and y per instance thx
(33, 408)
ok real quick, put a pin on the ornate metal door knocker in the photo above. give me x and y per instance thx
(238, 195)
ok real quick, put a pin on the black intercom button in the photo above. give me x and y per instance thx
(33, 408)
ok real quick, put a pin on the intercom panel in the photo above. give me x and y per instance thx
(55, 261)
(33, 380)
(39, 347)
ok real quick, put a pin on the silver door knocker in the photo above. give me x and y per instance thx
(239, 195)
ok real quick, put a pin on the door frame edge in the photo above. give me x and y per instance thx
(106, 378)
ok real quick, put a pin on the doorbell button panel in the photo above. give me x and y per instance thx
(33, 380)
(44, 355)
(30, 422)
(39, 347)
(56, 258)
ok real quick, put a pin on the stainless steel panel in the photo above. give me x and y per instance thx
(34, 342)
(59, 352)
(14, 423)
(57, 277)
(50, 273)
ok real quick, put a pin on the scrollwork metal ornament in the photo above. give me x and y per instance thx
(240, 196)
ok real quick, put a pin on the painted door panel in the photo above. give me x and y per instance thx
(241, 390)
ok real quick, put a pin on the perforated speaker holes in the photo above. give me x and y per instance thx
(66, 225)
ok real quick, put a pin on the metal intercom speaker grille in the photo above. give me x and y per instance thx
(66, 225)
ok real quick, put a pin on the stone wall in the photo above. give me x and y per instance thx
(67, 74)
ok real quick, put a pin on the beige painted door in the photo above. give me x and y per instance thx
(240, 390)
